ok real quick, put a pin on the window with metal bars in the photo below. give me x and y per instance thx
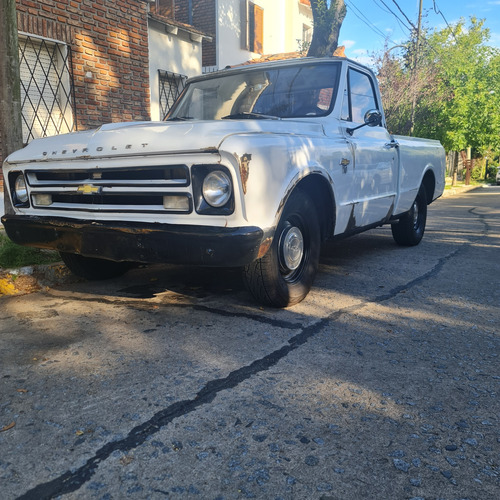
(171, 85)
(46, 87)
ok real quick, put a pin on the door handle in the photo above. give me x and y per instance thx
(392, 144)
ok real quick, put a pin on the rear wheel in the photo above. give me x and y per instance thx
(284, 276)
(94, 269)
(409, 230)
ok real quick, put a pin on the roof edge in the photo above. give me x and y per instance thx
(174, 26)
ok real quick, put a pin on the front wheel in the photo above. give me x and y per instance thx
(94, 269)
(284, 276)
(409, 230)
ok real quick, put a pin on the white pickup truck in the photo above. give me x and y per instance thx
(254, 167)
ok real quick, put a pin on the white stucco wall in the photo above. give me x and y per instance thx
(297, 16)
(174, 53)
(283, 20)
(229, 50)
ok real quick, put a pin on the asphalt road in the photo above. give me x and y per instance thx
(171, 383)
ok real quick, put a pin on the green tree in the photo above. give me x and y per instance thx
(469, 87)
(456, 80)
(403, 81)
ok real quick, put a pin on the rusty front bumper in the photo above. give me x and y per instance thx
(138, 242)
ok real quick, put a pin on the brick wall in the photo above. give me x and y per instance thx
(108, 40)
(109, 43)
(204, 19)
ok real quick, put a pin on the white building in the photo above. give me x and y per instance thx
(175, 54)
(188, 37)
(248, 29)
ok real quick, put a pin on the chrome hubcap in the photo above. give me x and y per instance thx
(292, 248)
(415, 215)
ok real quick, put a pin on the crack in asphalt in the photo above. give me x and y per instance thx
(139, 304)
(71, 481)
(483, 220)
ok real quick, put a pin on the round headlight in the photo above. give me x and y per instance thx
(217, 188)
(20, 189)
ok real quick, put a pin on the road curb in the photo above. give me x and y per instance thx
(458, 190)
(28, 279)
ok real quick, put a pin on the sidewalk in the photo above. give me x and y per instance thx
(459, 189)
(29, 279)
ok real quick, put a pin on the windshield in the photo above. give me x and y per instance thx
(288, 92)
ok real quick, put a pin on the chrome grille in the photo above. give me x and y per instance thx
(139, 189)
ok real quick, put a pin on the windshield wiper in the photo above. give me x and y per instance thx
(179, 118)
(249, 116)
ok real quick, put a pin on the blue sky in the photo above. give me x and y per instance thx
(368, 22)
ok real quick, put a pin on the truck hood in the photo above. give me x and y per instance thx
(146, 138)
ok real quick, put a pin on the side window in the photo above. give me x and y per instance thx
(361, 96)
(165, 8)
(345, 114)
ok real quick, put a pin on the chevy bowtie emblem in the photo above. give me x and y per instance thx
(344, 163)
(89, 189)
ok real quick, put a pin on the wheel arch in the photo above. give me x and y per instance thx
(319, 190)
(429, 184)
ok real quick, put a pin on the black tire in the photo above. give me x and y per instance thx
(409, 230)
(94, 269)
(284, 276)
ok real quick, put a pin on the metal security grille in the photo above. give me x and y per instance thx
(171, 85)
(46, 87)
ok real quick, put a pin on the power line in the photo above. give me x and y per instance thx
(406, 17)
(364, 19)
(437, 10)
(390, 11)
(387, 9)
(359, 14)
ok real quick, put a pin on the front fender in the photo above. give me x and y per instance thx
(270, 167)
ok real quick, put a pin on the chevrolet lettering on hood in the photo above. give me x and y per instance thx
(98, 149)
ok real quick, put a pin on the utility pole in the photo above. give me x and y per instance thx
(11, 134)
(414, 76)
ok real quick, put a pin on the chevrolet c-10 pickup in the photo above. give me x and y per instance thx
(254, 167)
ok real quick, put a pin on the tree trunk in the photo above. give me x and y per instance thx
(327, 23)
(10, 96)
(11, 135)
(455, 169)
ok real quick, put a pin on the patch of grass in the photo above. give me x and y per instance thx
(462, 183)
(12, 255)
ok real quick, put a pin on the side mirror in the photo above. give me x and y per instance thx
(373, 118)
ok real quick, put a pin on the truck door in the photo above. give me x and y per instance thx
(373, 190)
